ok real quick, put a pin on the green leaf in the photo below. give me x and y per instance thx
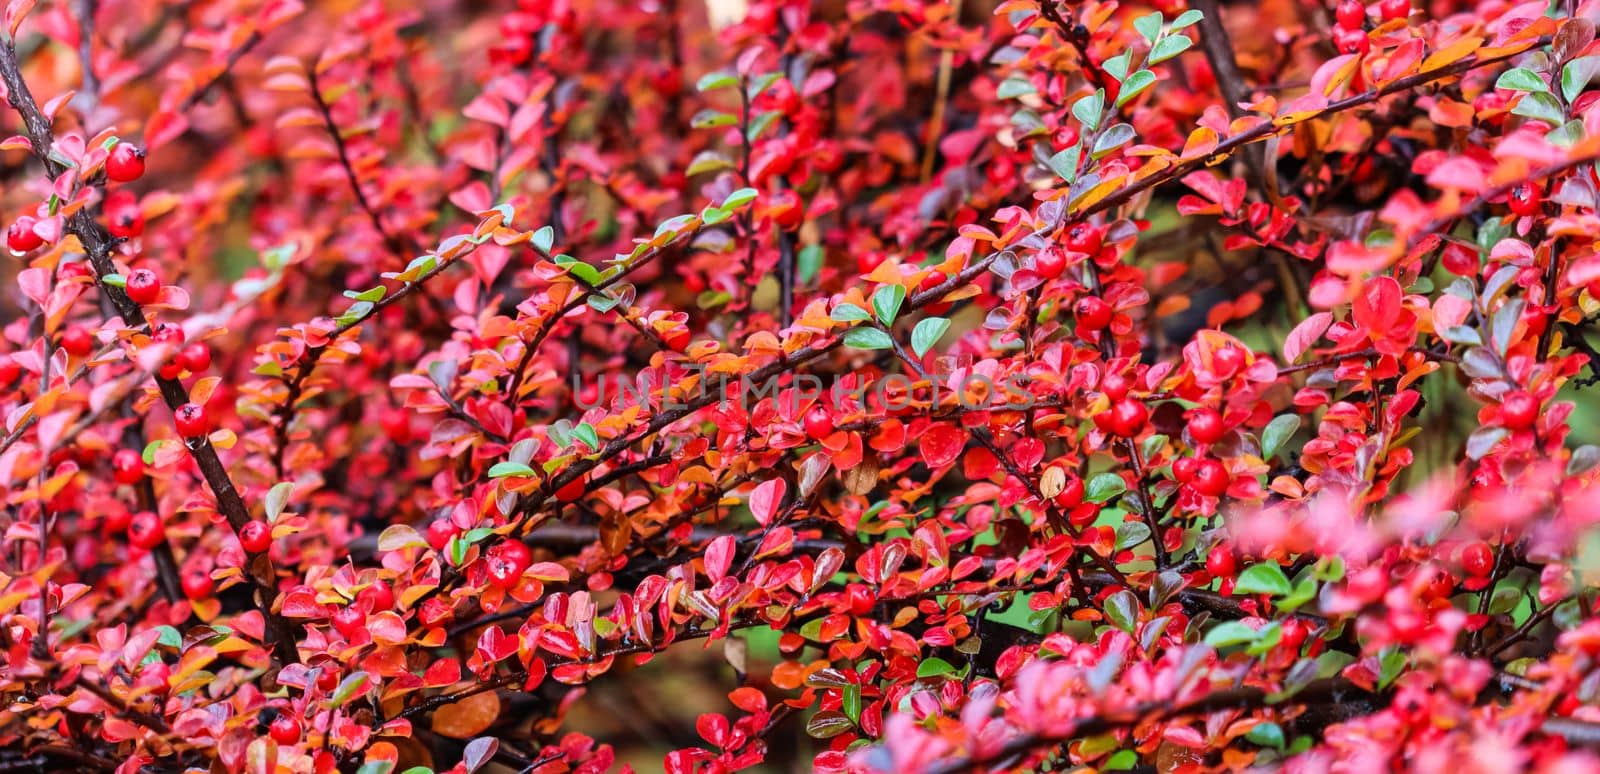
(886, 302)
(761, 83)
(1122, 608)
(1188, 18)
(1304, 591)
(1131, 533)
(374, 294)
(1112, 138)
(708, 161)
(1015, 86)
(544, 239)
(848, 313)
(1263, 578)
(1267, 734)
(1576, 75)
(602, 303)
(277, 499)
(508, 469)
(356, 683)
(1104, 487)
(1277, 433)
(150, 449)
(711, 216)
(1230, 633)
(1169, 47)
(1065, 163)
(1520, 79)
(1540, 106)
(377, 766)
(809, 263)
(933, 666)
(1087, 110)
(740, 198)
(114, 280)
(1135, 84)
(169, 637)
(1390, 661)
(1149, 26)
(720, 79)
(760, 123)
(850, 702)
(585, 432)
(927, 334)
(711, 119)
(1117, 66)
(867, 338)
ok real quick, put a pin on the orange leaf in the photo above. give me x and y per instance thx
(468, 717)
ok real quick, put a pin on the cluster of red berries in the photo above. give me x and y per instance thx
(1126, 416)
(1349, 33)
(123, 217)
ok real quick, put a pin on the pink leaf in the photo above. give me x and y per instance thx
(765, 500)
(1304, 335)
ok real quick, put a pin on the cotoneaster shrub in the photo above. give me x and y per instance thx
(1029, 385)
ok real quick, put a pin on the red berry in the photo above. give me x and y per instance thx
(127, 466)
(285, 730)
(125, 163)
(1050, 263)
(1460, 260)
(1227, 361)
(1084, 238)
(1351, 14)
(195, 358)
(1293, 634)
(1525, 199)
(819, 423)
(1350, 41)
(143, 286)
(1394, 9)
(124, 218)
(573, 491)
(1205, 425)
(1210, 478)
(20, 237)
(1477, 559)
(78, 342)
(1220, 563)
(396, 424)
(349, 620)
(506, 562)
(168, 333)
(1115, 386)
(935, 279)
(1092, 312)
(1126, 418)
(1518, 409)
(439, 533)
(9, 370)
(328, 678)
(197, 583)
(116, 520)
(145, 530)
(1071, 494)
(868, 261)
(192, 420)
(1065, 137)
(256, 537)
(377, 597)
(1183, 469)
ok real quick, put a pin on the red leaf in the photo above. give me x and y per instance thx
(719, 557)
(766, 499)
(941, 445)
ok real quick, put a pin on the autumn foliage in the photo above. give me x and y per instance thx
(950, 386)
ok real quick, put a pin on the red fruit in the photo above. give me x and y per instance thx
(1351, 14)
(934, 279)
(72, 270)
(377, 597)
(256, 537)
(328, 679)
(1071, 493)
(786, 209)
(78, 342)
(1477, 559)
(861, 599)
(170, 334)
(20, 237)
(192, 420)
(1518, 409)
(127, 466)
(285, 730)
(1093, 313)
(1126, 417)
(1525, 199)
(1220, 563)
(124, 218)
(1084, 238)
(1115, 386)
(1210, 478)
(116, 520)
(396, 424)
(194, 358)
(125, 163)
(506, 562)
(1183, 469)
(348, 620)
(1050, 263)
(573, 491)
(1350, 41)
(144, 287)
(145, 530)
(9, 370)
(1460, 260)
(439, 533)
(1394, 9)
(819, 423)
(1227, 361)
(1293, 634)
(868, 261)
(197, 583)
(1065, 137)
(1205, 425)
